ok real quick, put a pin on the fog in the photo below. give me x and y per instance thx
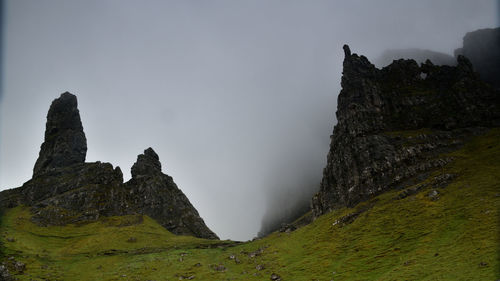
(238, 98)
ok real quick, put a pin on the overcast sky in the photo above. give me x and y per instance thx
(238, 98)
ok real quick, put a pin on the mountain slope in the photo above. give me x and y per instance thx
(410, 234)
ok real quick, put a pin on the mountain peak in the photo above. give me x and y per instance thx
(146, 164)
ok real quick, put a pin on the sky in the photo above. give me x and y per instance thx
(238, 98)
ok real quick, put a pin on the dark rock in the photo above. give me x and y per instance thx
(256, 253)
(155, 194)
(260, 267)
(410, 191)
(347, 219)
(433, 195)
(440, 181)
(65, 143)
(275, 277)
(66, 190)
(419, 55)
(19, 266)
(147, 164)
(285, 227)
(393, 125)
(5, 274)
(218, 267)
(482, 48)
(443, 180)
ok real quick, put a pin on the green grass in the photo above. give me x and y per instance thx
(416, 238)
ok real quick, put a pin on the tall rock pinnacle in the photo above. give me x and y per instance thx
(65, 143)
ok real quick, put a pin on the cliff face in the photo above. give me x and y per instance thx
(65, 143)
(438, 106)
(64, 189)
(482, 47)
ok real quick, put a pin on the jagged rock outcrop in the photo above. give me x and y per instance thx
(419, 55)
(64, 189)
(438, 107)
(482, 47)
(65, 143)
(156, 195)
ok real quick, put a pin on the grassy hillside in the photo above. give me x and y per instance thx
(437, 231)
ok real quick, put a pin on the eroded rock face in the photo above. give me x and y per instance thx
(66, 190)
(147, 164)
(440, 106)
(155, 194)
(65, 143)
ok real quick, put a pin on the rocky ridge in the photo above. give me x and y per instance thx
(64, 189)
(419, 55)
(395, 122)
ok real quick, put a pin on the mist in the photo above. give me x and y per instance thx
(238, 98)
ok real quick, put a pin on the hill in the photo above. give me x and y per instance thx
(410, 192)
(435, 229)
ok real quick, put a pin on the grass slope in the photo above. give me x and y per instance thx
(416, 238)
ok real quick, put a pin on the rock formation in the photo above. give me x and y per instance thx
(419, 55)
(155, 194)
(482, 47)
(65, 143)
(64, 189)
(438, 107)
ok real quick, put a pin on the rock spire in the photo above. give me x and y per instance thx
(65, 143)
